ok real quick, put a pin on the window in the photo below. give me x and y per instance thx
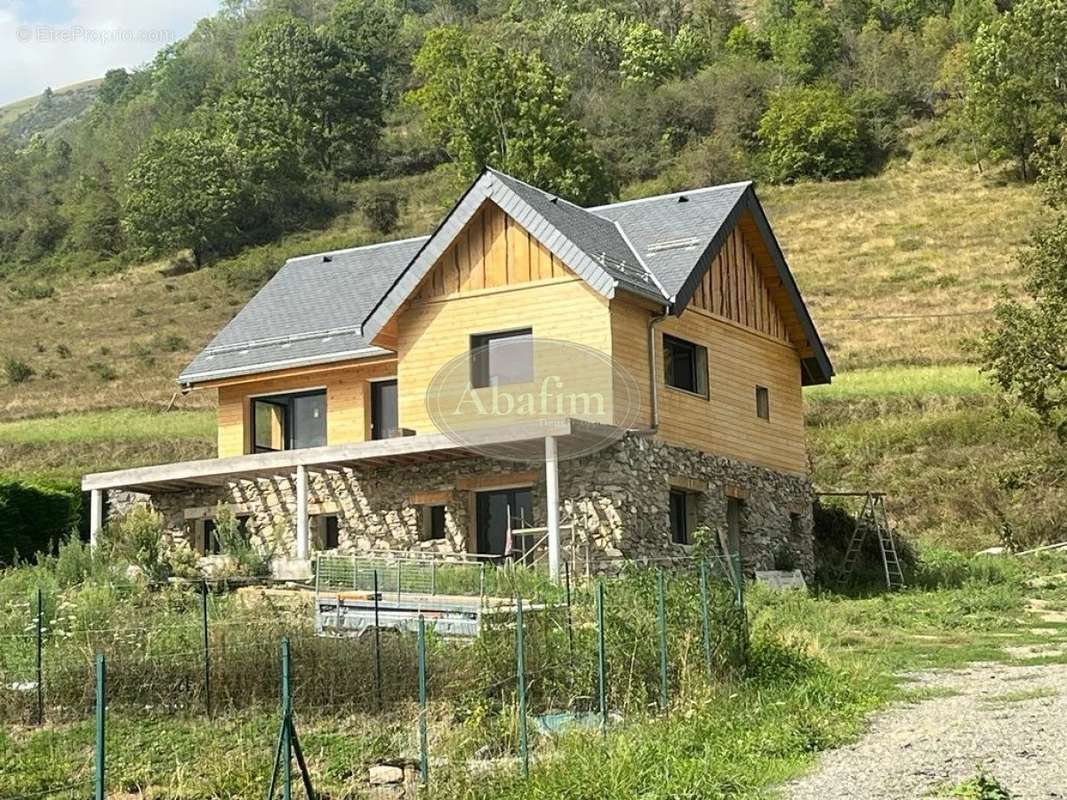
(327, 532)
(288, 421)
(685, 365)
(680, 509)
(384, 415)
(433, 523)
(209, 541)
(763, 403)
(501, 358)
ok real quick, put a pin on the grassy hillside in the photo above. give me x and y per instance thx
(898, 271)
(23, 118)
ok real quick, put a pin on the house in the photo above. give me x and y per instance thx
(678, 313)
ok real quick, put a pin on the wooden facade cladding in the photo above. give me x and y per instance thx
(739, 360)
(735, 287)
(347, 403)
(491, 251)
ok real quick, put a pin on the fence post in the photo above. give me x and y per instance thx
(661, 604)
(287, 737)
(207, 650)
(424, 748)
(705, 619)
(602, 667)
(101, 712)
(481, 582)
(741, 612)
(433, 575)
(40, 658)
(398, 579)
(570, 617)
(377, 646)
(520, 660)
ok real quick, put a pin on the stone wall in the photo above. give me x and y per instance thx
(618, 498)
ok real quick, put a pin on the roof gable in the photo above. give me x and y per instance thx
(593, 247)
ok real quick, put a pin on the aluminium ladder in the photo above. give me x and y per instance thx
(873, 519)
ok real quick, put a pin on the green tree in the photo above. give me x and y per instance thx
(185, 190)
(1016, 90)
(811, 132)
(647, 56)
(370, 31)
(1026, 352)
(503, 108)
(807, 43)
(304, 93)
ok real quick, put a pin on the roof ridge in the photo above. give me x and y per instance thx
(545, 192)
(374, 246)
(669, 195)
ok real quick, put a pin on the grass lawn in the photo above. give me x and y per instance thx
(958, 380)
(66, 447)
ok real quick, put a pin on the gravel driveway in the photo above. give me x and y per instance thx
(1009, 720)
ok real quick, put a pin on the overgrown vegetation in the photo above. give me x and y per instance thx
(816, 667)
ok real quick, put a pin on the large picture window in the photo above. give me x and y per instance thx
(685, 365)
(288, 421)
(498, 359)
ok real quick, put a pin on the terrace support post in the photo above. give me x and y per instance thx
(96, 515)
(301, 512)
(552, 499)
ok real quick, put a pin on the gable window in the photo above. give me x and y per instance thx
(763, 403)
(288, 421)
(685, 365)
(498, 359)
(433, 523)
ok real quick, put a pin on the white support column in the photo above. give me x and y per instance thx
(552, 497)
(96, 515)
(301, 512)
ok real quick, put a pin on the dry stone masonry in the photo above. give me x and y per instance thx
(618, 499)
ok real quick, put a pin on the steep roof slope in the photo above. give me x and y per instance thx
(310, 312)
(330, 306)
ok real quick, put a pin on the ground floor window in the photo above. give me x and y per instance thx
(682, 510)
(327, 532)
(497, 513)
(433, 523)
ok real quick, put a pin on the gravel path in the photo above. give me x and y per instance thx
(1009, 720)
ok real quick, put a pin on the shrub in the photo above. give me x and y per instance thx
(62, 351)
(169, 343)
(103, 371)
(811, 132)
(32, 291)
(382, 210)
(236, 542)
(33, 518)
(17, 371)
(138, 538)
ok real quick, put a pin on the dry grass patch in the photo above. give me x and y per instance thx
(917, 240)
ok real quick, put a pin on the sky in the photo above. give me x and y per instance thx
(58, 42)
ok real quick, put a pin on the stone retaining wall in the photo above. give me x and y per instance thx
(618, 498)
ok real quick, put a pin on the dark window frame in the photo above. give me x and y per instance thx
(763, 403)
(434, 522)
(480, 369)
(678, 515)
(675, 348)
(284, 401)
(376, 387)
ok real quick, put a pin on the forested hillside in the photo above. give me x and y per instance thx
(906, 151)
(273, 115)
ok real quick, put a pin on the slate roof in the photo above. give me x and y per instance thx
(327, 307)
(310, 312)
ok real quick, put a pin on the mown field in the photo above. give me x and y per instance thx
(899, 271)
